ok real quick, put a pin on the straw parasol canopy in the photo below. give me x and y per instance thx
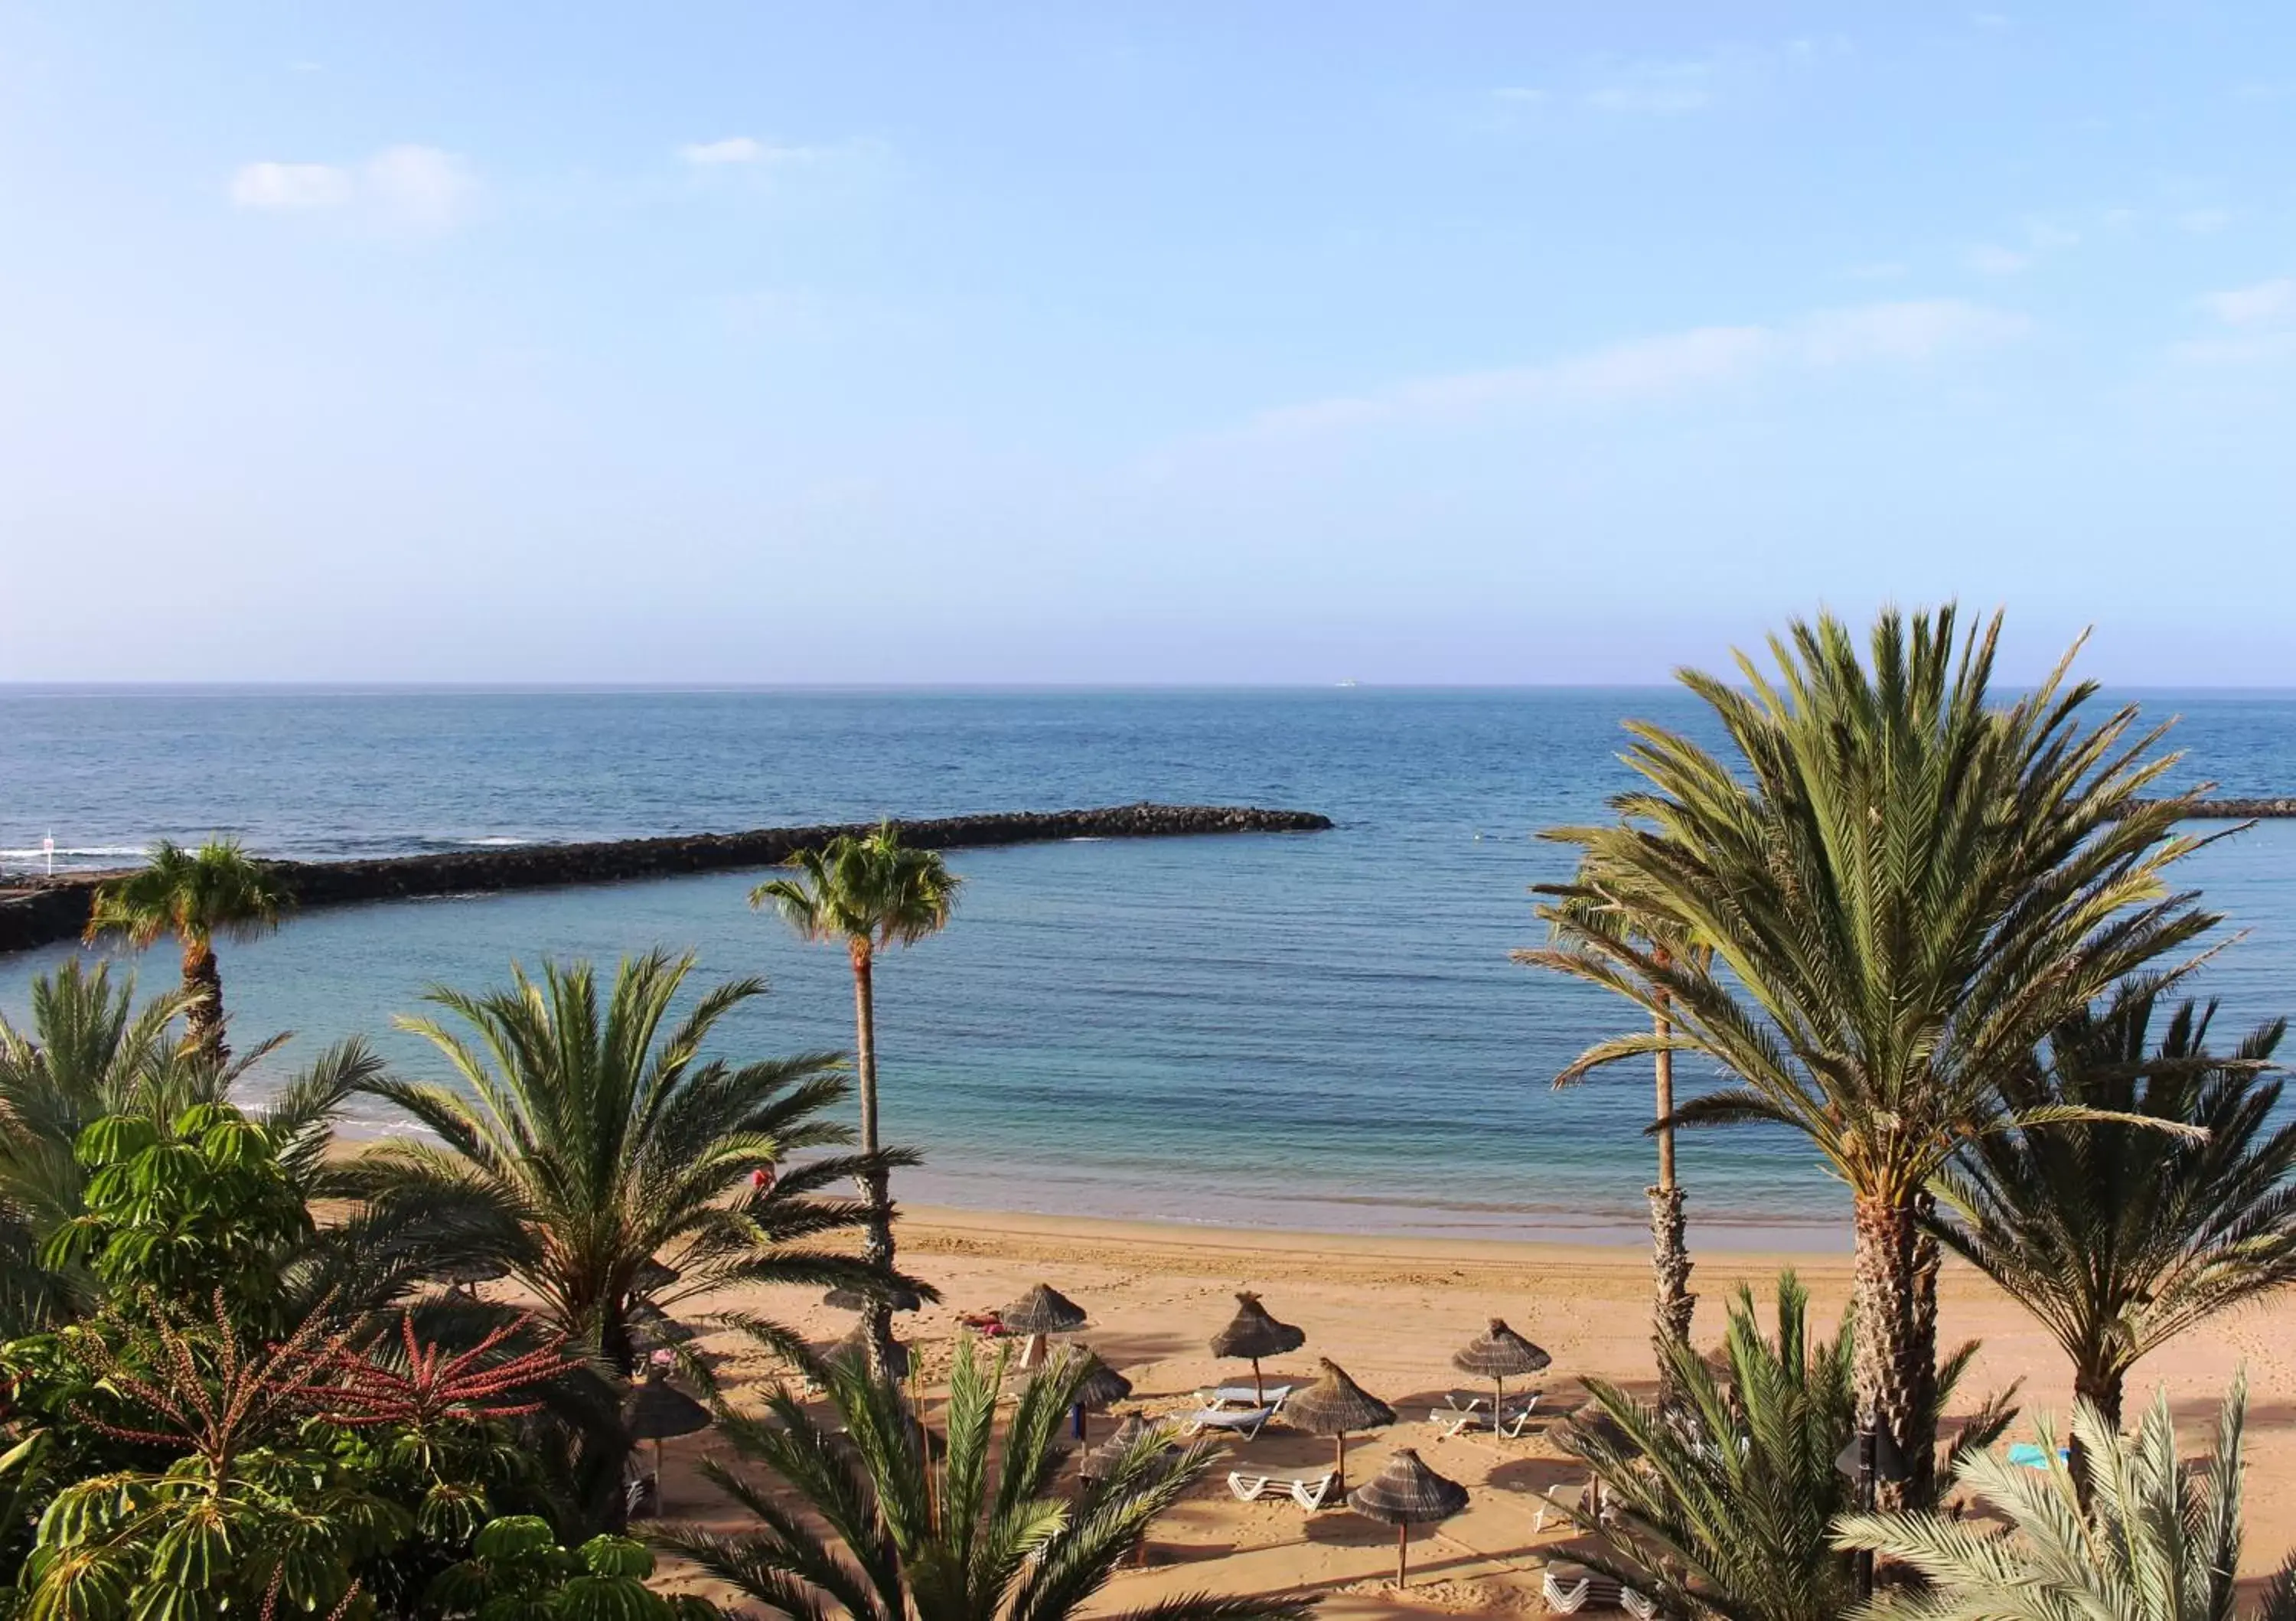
(1253, 1334)
(1336, 1406)
(855, 1348)
(903, 1299)
(1588, 1423)
(1096, 1463)
(657, 1411)
(654, 1276)
(468, 1271)
(1043, 1310)
(1103, 1385)
(1500, 1354)
(1406, 1493)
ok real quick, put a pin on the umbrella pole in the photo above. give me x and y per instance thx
(1340, 1466)
(1258, 1396)
(1402, 1553)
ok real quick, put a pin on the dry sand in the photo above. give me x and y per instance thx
(1391, 1311)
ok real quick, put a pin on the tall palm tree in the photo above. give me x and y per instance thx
(916, 1540)
(1906, 889)
(2120, 1236)
(584, 1142)
(2157, 1541)
(866, 894)
(196, 896)
(1673, 1306)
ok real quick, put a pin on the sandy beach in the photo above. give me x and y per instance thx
(1391, 1311)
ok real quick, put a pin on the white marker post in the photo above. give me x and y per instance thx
(48, 849)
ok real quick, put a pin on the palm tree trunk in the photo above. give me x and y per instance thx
(1674, 1304)
(2096, 1381)
(877, 1318)
(1896, 1361)
(203, 985)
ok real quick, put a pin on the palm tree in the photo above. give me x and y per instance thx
(584, 1142)
(1905, 891)
(866, 894)
(2157, 1542)
(1673, 1307)
(195, 895)
(2120, 1236)
(1720, 1503)
(913, 1540)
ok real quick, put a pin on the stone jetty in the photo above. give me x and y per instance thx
(40, 912)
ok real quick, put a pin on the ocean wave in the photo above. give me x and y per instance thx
(68, 852)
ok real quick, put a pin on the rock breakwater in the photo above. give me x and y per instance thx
(41, 911)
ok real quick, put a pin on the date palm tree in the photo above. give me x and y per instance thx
(2120, 1236)
(1593, 905)
(583, 1142)
(914, 1539)
(2156, 1542)
(1906, 888)
(866, 893)
(197, 895)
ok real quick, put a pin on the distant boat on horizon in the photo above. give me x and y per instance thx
(1350, 682)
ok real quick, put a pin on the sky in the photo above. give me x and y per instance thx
(1177, 342)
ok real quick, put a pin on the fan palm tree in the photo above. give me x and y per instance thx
(1673, 1306)
(584, 1142)
(2118, 1236)
(196, 896)
(1720, 1504)
(866, 893)
(2157, 1542)
(1906, 889)
(917, 1539)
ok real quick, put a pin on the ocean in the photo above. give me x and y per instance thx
(1315, 1031)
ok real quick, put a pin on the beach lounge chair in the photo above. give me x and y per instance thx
(1635, 1605)
(1245, 1396)
(1569, 1588)
(1242, 1422)
(1308, 1490)
(1515, 1420)
(1559, 1505)
(2024, 1455)
(1459, 1413)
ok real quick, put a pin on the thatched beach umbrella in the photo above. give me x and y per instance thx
(855, 1348)
(657, 1411)
(1336, 1406)
(1043, 1310)
(1588, 1423)
(1096, 1463)
(654, 1276)
(1102, 1388)
(902, 1298)
(1500, 1354)
(1253, 1334)
(1406, 1493)
(467, 1272)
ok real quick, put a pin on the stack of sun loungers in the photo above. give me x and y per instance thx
(1569, 1588)
(1237, 1409)
(1308, 1490)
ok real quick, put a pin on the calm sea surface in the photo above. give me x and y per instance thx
(1318, 1031)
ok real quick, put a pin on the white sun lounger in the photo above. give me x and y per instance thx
(1245, 1396)
(1461, 1412)
(1308, 1490)
(1515, 1420)
(1243, 1423)
(1559, 1505)
(1569, 1588)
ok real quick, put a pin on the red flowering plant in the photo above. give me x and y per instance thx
(432, 1425)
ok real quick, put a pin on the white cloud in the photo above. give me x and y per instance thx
(2247, 305)
(1990, 258)
(418, 188)
(1664, 89)
(747, 149)
(1670, 365)
(421, 188)
(291, 186)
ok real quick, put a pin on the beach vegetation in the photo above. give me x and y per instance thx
(920, 1526)
(2118, 1235)
(216, 891)
(2143, 1535)
(1906, 887)
(867, 893)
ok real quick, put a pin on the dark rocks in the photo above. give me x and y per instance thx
(39, 912)
(2239, 810)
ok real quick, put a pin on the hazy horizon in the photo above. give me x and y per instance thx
(1033, 346)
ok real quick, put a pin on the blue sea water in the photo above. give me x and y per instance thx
(1317, 1031)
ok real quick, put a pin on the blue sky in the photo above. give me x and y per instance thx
(1182, 342)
